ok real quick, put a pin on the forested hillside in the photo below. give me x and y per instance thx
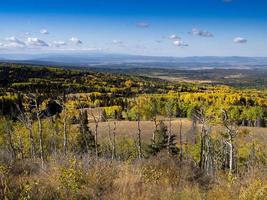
(61, 137)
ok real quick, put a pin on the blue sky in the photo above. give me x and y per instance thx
(145, 27)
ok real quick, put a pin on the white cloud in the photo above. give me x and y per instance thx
(174, 37)
(13, 42)
(59, 43)
(81, 49)
(31, 41)
(202, 33)
(13, 39)
(117, 42)
(44, 31)
(142, 25)
(180, 43)
(75, 40)
(239, 40)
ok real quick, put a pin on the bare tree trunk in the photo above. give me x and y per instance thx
(206, 163)
(169, 134)
(96, 140)
(139, 139)
(232, 131)
(155, 128)
(139, 143)
(181, 141)
(230, 158)
(65, 139)
(114, 142)
(109, 136)
(192, 133)
(96, 120)
(231, 154)
(31, 138)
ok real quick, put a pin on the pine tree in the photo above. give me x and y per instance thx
(161, 141)
(85, 138)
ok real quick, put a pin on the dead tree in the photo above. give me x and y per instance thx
(206, 164)
(181, 141)
(114, 141)
(96, 121)
(36, 104)
(155, 128)
(229, 147)
(191, 138)
(170, 112)
(154, 112)
(139, 144)
(139, 139)
(109, 134)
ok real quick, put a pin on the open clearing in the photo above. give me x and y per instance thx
(129, 128)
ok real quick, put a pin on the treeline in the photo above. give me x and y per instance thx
(43, 127)
(57, 131)
(104, 89)
(45, 79)
(244, 109)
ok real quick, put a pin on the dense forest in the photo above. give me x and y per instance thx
(60, 136)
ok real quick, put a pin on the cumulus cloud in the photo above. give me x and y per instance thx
(44, 31)
(239, 40)
(142, 25)
(202, 33)
(75, 40)
(13, 42)
(13, 39)
(59, 43)
(180, 43)
(174, 37)
(32, 41)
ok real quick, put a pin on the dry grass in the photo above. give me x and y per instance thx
(129, 128)
(159, 178)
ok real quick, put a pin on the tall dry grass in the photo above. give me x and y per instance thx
(161, 177)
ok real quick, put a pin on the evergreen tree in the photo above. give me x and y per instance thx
(161, 141)
(85, 138)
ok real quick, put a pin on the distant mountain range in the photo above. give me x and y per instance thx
(121, 60)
